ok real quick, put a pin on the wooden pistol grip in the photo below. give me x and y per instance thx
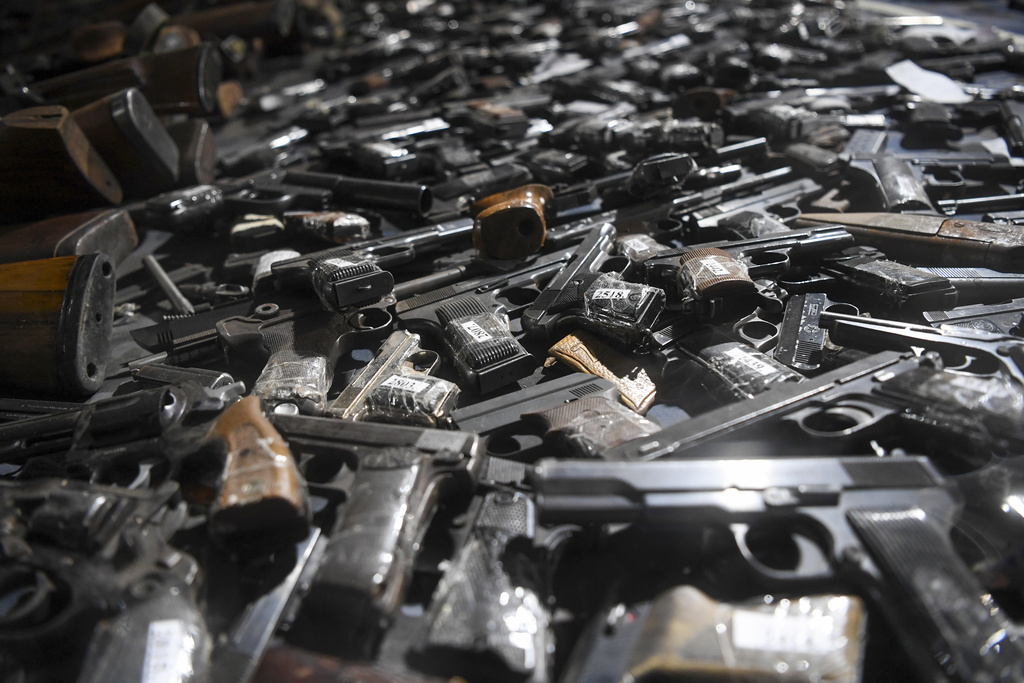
(262, 496)
(585, 352)
(511, 224)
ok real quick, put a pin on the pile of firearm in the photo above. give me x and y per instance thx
(509, 342)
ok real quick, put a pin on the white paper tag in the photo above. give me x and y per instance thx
(166, 650)
(750, 361)
(476, 332)
(712, 264)
(339, 263)
(413, 386)
(611, 294)
(931, 86)
(636, 243)
(803, 633)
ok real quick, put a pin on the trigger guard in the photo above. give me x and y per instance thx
(846, 419)
(813, 563)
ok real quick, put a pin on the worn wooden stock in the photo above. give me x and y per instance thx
(55, 317)
(179, 82)
(267, 19)
(197, 152)
(110, 232)
(47, 165)
(128, 135)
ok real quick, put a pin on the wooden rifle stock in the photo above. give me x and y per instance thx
(126, 132)
(55, 317)
(197, 152)
(105, 232)
(267, 19)
(179, 82)
(47, 165)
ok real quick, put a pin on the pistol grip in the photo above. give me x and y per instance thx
(262, 493)
(965, 632)
(592, 424)
(487, 614)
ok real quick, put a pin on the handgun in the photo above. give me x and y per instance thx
(685, 629)
(582, 294)
(262, 499)
(778, 200)
(803, 344)
(498, 420)
(737, 371)
(881, 523)
(472, 317)
(932, 240)
(512, 224)
(980, 285)
(354, 273)
(863, 275)
(398, 386)
(715, 280)
(972, 350)
(584, 351)
(98, 582)
(300, 343)
(488, 617)
(588, 426)
(889, 177)
(1003, 318)
(366, 192)
(111, 421)
(886, 399)
(382, 484)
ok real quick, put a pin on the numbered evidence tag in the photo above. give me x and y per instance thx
(707, 272)
(169, 650)
(474, 330)
(746, 371)
(622, 310)
(808, 638)
(421, 400)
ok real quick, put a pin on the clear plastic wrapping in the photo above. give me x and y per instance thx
(622, 310)
(291, 377)
(161, 640)
(484, 351)
(688, 636)
(410, 397)
(590, 425)
(746, 371)
(987, 411)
